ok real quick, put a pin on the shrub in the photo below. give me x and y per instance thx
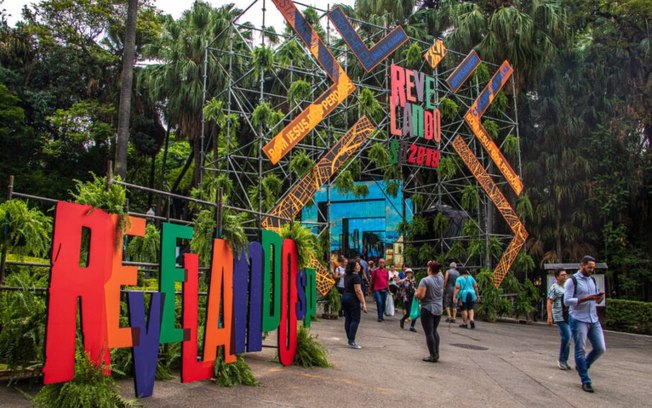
(229, 375)
(491, 304)
(22, 318)
(629, 315)
(310, 353)
(90, 388)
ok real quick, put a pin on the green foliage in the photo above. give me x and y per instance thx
(378, 155)
(470, 228)
(524, 207)
(344, 182)
(89, 388)
(527, 296)
(368, 105)
(333, 300)
(419, 226)
(417, 201)
(440, 223)
(22, 317)
(448, 109)
(413, 55)
(145, 249)
(264, 116)
(24, 231)
(95, 194)
(492, 128)
(214, 111)
(263, 60)
(230, 375)
(360, 190)
(511, 145)
(426, 253)
(629, 315)
(305, 240)
(392, 189)
(492, 304)
(301, 163)
(457, 251)
(523, 263)
(447, 167)
(470, 197)
(310, 353)
(271, 189)
(299, 90)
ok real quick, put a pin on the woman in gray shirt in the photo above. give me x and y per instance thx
(431, 293)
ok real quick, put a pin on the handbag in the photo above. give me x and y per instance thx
(389, 305)
(415, 309)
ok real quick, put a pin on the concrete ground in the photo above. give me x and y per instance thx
(495, 365)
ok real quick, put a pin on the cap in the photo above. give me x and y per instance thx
(408, 270)
(453, 265)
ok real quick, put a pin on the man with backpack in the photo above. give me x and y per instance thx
(582, 297)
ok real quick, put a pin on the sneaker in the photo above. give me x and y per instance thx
(412, 329)
(464, 326)
(355, 345)
(380, 320)
(587, 387)
(452, 320)
(566, 366)
(448, 320)
(561, 365)
(402, 324)
(430, 359)
(472, 324)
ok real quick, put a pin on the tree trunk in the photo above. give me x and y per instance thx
(124, 112)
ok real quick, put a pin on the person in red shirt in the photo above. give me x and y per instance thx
(380, 285)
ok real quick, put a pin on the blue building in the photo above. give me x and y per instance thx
(365, 226)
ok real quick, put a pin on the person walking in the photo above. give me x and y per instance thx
(380, 285)
(466, 290)
(555, 308)
(449, 288)
(353, 301)
(406, 293)
(431, 294)
(581, 295)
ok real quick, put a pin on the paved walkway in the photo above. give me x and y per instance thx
(495, 365)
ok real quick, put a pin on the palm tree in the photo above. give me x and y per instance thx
(178, 81)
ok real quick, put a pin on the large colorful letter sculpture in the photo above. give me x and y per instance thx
(257, 291)
(73, 284)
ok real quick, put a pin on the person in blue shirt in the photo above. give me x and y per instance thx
(582, 300)
(556, 316)
(466, 291)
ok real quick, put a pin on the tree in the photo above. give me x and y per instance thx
(124, 111)
(178, 81)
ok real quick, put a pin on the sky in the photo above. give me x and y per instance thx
(177, 7)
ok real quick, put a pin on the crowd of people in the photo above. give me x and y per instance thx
(571, 304)
(426, 300)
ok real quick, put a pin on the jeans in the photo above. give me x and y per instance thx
(381, 298)
(430, 322)
(582, 331)
(351, 307)
(565, 334)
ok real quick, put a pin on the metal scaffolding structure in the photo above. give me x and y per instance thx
(235, 149)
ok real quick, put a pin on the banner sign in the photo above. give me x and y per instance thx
(414, 113)
(260, 290)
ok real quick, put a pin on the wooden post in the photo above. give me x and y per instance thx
(5, 233)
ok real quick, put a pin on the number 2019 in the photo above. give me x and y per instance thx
(423, 156)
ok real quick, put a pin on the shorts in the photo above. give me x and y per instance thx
(469, 303)
(448, 300)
